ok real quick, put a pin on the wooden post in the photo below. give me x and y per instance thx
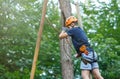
(38, 40)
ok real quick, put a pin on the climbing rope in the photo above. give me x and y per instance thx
(67, 40)
(48, 21)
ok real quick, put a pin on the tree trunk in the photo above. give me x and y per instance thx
(66, 60)
(79, 15)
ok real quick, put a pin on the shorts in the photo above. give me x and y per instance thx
(89, 66)
(89, 57)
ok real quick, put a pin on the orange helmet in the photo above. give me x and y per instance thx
(69, 20)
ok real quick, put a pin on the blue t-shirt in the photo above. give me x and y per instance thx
(79, 37)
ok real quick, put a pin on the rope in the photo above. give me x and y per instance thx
(70, 44)
(59, 32)
(65, 51)
(52, 25)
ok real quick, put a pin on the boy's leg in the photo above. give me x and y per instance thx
(97, 74)
(95, 70)
(85, 70)
(85, 74)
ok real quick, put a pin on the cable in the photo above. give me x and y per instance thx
(59, 32)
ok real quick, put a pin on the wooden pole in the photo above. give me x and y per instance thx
(38, 40)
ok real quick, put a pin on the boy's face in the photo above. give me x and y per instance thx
(68, 27)
(71, 25)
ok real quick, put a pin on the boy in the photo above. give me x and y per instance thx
(82, 46)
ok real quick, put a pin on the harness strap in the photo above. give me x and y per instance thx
(86, 61)
(83, 49)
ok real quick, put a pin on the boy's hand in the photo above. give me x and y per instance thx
(63, 34)
(77, 55)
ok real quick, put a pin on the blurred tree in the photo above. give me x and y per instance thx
(19, 23)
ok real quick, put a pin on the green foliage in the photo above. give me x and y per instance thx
(19, 26)
(104, 35)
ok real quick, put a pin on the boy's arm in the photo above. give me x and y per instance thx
(63, 34)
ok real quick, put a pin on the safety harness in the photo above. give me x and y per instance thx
(83, 49)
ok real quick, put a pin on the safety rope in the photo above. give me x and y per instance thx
(52, 25)
(67, 40)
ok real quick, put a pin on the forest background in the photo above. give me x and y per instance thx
(19, 24)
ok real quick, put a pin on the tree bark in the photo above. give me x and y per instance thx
(66, 60)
